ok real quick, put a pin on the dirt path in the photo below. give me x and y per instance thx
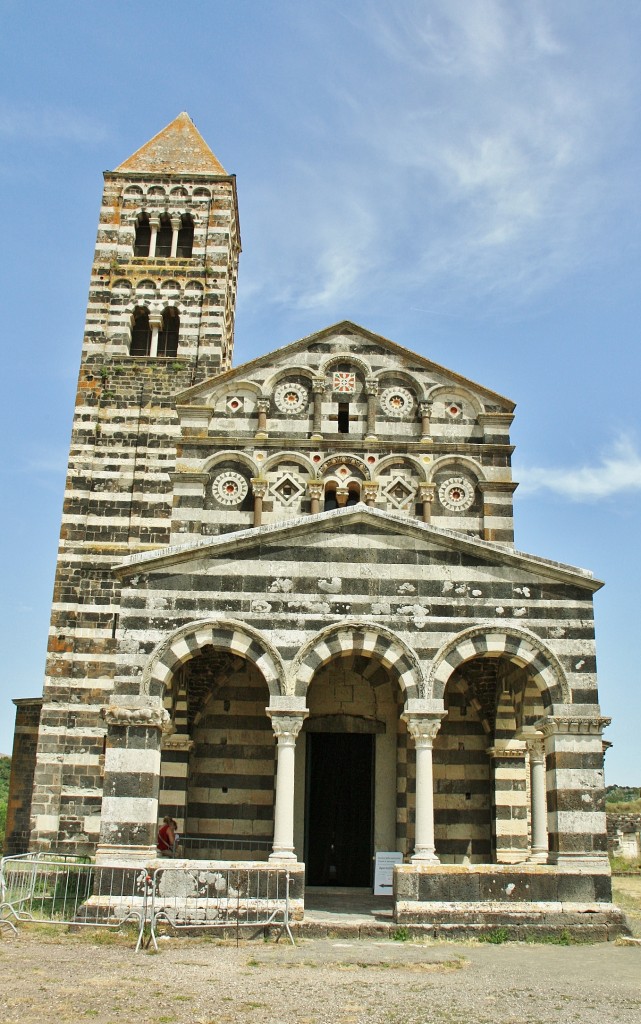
(60, 979)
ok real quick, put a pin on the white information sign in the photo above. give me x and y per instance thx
(384, 872)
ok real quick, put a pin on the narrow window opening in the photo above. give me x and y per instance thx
(143, 236)
(114, 625)
(343, 417)
(140, 333)
(331, 501)
(164, 236)
(353, 497)
(168, 334)
(185, 237)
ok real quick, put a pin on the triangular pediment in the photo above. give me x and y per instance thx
(353, 340)
(178, 149)
(339, 534)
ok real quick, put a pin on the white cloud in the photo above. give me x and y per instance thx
(617, 472)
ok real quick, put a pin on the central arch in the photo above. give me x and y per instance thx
(359, 638)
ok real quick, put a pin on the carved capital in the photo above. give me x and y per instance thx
(427, 492)
(155, 718)
(425, 408)
(557, 725)
(315, 488)
(318, 386)
(287, 725)
(370, 490)
(423, 727)
(371, 386)
(259, 487)
(176, 223)
(154, 221)
(263, 405)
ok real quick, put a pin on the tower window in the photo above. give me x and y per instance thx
(185, 237)
(163, 238)
(331, 501)
(140, 332)
(343, 417)
(168, 333)
(143, 236)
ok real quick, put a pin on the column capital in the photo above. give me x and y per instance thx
(154, 221)
(319, 385)
(370, 490)
(149, 717)
(287, 724)
(259, 487)
(315, 488)
(427, 491)
(423, 726)
(176, 223)
(425, 408)
(371, 386)
(155, 320)
(263, 404)
(572, 725)
(534, 741)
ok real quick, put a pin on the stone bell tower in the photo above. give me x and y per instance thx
(160, 318)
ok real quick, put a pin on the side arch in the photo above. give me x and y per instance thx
(224, 635)
(357, 637)
(520, 646)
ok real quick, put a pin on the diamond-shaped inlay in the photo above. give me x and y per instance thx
(235, 403)
(400, 492)
(287, 489)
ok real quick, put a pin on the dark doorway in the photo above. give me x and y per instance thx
(338, 846)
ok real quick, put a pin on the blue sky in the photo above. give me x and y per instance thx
(461, 176)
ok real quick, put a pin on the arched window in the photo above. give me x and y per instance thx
(353, 496)
(163, 238)
(331, 501)
(143, 236)
(168, 334)
(185, 237)
(140, 332)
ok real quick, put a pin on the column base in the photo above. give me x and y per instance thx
(316, 437)
(424, 857)
(108, 853)
(538, 857)
(286, 855)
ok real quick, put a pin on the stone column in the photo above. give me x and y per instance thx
(371, 390)
(154, 224)
(155, 322)
(318, 390)
(509, 801)
(259, 489)
(427, 497)
(425, 409)
(262, 407)
(129, 817)
(175, 228)
(370, 491)
(423, 727)
(174, 772)
(575, 789)
(315, 489)
(538, 802)
(286, 726)
(342, 494)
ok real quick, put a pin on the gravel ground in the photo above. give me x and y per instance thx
(75, 978)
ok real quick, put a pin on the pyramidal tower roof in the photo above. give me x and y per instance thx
(177, 149)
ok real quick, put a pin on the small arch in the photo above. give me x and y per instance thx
(519, 645)
(185, 237)
(142, 239)
(455, 460)
(132, 190)
(285, 456)
(168, 333)
(345, 357)
(164, 236)
(287, 374)
(140, 332)
(353, 461)
(402, 460)
(358, 638)
(178, 190)
(224, 635)
(230, 456)
(456, 390)
(388, 377)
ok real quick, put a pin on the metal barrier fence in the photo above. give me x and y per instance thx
(229, 898)
(66, 891)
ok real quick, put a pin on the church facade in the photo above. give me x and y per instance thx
(288, 607)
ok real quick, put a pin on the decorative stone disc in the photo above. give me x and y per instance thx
(456, 494)
(397, 402)
(229, 488)
(291, 398)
